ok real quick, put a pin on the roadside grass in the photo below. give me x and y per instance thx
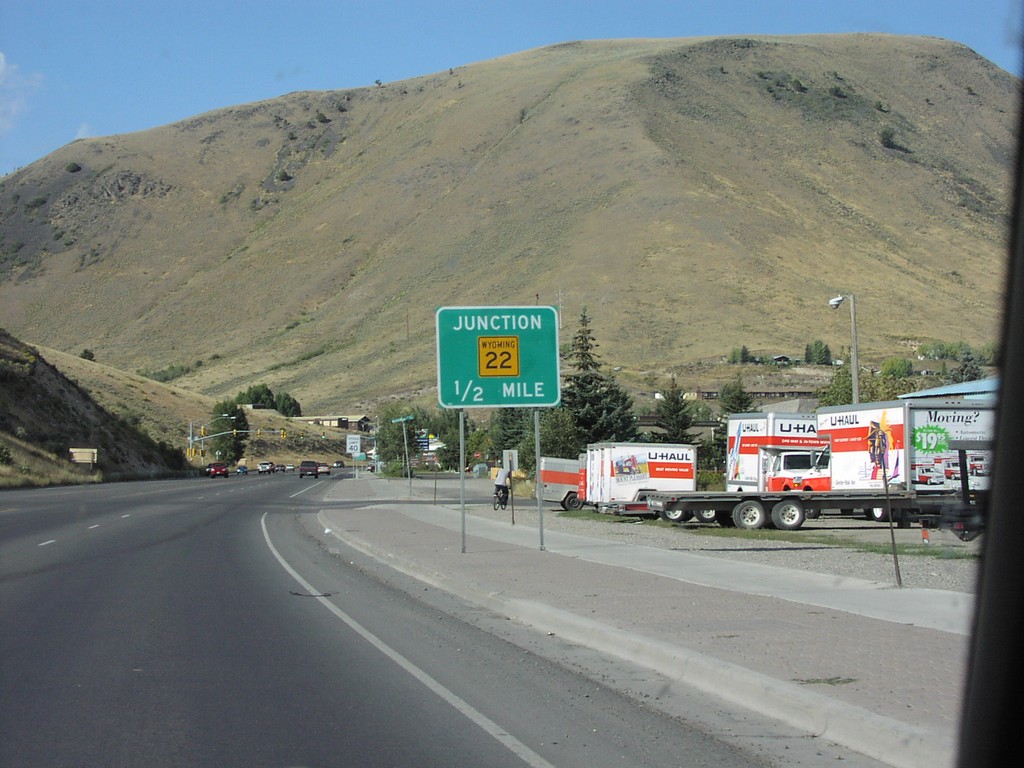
(32, 467)
(770, 534)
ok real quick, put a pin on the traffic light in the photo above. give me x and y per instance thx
(234, 433)
(202, 431)
(259, 433)
(284, 434)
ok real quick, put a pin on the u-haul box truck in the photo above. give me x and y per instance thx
(885, 458)
(775, 452)
(905, 443)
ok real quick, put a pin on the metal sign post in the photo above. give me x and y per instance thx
(498, 357)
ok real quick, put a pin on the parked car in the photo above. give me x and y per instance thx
(217, 469)
(323, 469)
(311, 468)
(265, 467)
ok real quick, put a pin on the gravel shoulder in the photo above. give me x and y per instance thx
(834, 545)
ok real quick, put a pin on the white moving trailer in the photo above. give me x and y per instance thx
(620, 475)
(560, 481)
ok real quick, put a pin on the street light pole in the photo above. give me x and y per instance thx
(405, 440)
(855, 370)
(855, 373)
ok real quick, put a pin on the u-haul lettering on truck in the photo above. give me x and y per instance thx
(668, 456)
(844, 420)
(800, 427)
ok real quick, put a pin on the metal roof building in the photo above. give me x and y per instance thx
(968, 390)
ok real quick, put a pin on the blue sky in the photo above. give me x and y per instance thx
(70, 69)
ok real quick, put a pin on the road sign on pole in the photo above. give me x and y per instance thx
(497, 357)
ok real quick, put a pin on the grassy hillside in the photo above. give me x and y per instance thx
(43, 414)
(695, 195)
(51, 401)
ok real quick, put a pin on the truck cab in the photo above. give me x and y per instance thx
(800, 470)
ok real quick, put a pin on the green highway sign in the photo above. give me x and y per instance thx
(497, 357)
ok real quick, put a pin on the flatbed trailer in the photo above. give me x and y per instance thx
(788, 510)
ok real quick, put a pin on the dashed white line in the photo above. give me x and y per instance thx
(97, 525)
(307, 488)
(44, 543)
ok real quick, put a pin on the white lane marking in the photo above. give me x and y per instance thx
(307, 488)
(490, 727)
(97, 525)
(124, 516)
(45, 543)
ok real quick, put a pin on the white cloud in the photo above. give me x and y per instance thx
(15, 90)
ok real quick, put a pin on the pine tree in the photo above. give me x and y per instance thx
(602, 410)
(733, 398)
(840, 390)
(968, 370)
(508, 428)
(675, 416)
(817, 353)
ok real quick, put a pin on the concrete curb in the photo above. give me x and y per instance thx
(884, 739)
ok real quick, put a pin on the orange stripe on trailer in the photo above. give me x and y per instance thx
(561, 478)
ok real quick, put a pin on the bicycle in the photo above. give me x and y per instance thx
(500, 498)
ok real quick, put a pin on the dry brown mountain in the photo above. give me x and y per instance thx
(42, 409)
(695, 195)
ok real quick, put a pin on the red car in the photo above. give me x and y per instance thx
(217, 469)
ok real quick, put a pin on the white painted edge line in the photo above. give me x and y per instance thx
(883, 738)
(500, 734)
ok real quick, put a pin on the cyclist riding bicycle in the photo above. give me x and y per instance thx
(501, 486)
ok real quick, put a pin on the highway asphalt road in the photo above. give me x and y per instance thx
(195, 622)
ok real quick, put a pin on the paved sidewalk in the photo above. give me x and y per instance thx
(866, 665)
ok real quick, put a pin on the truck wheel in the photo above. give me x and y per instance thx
(706, 516)
(572, 501)
(749, 514)
(878, 514)
(967, 535)
(675, 515)
(788, 515)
